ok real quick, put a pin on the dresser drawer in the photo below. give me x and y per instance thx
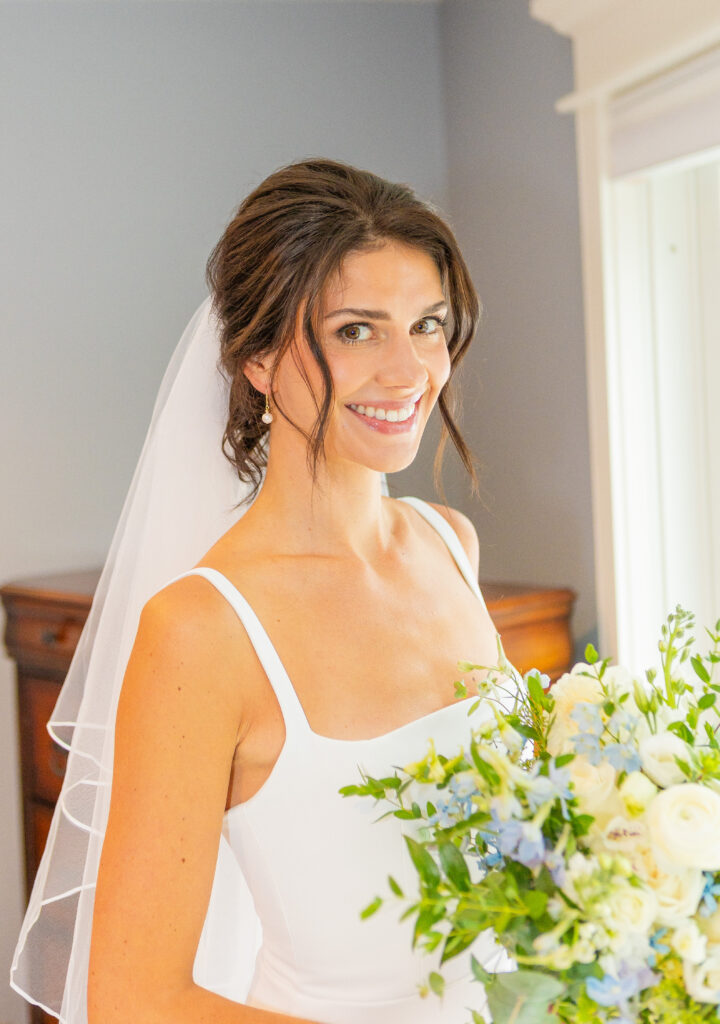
(48, 761)
(46, 636)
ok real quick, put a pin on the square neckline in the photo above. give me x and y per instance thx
(441, 526)
(291, 707)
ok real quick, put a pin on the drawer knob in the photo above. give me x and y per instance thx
(50, 637)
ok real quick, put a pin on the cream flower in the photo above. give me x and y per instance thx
(678, 892)
(570, 689)
(637, 791)
(658, 753)
(629, 908)
(594, 787)
(689, 943)
(702, 981)
(710, 926)
(684, 827)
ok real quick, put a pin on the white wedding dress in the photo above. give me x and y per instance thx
(313, 859)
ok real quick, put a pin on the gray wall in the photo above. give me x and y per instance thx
(513, 197)
(130, 131)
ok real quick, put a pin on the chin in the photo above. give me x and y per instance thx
(390, 463)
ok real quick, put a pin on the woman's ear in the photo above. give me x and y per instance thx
(258, 371)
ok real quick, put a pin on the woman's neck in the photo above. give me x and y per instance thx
(341, 513)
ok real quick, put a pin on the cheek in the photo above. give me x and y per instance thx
(439, 366)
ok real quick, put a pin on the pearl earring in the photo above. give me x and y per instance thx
(267, 416)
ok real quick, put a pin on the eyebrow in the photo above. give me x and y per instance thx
(381, 314)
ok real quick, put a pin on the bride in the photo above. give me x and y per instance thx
(318, 636)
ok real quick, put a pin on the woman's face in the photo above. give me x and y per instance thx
(382, 335)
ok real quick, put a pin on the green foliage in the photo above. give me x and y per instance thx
(371, 908)
(523, 997)
(454, 865)
(436, 983)
(424, 863)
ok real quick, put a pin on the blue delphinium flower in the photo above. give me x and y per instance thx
(493, 858)
(553, 786)
(622, 756)
(555, 863)
(708, 900)
(588, 717)
(520, 840)
(587, 744)
(458, 806)
(531, 848)
(657, 946)
(617, 990)
(444, 814)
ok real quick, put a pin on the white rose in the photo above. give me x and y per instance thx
(678, 892)
(594, 786)
(570, 689)
(658, 753)
(684, 827)
(689, 943)
(636, 792)
(630, 908)
(703, 980)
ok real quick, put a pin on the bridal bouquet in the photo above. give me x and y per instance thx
(581, 824)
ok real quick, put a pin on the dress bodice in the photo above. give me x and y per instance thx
(312, 860)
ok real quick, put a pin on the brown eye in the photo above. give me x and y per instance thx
(429, 325)
(351, 334)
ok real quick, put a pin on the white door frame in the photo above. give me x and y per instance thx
(617, 44)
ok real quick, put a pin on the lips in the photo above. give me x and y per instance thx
(381, 424)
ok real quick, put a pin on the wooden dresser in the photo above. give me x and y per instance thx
(45, 615)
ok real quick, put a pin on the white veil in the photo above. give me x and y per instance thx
(181, 499)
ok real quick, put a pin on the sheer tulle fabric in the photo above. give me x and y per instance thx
(181, 500)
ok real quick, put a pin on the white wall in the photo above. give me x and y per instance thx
(513, 197)
(130, 131)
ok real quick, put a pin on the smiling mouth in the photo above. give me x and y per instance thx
(387, 421)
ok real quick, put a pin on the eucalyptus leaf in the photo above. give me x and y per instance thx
(523, 997)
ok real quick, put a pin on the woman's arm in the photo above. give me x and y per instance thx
(177, 725)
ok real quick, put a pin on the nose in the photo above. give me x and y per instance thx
(402, 366)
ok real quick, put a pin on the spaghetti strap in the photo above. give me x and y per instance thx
(290, 705)
(443, 527)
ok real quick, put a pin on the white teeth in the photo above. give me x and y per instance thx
(391, 415)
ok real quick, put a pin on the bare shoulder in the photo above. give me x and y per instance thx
(175, 734)
(463, 527)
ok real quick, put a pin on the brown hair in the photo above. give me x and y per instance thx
(284, 242)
